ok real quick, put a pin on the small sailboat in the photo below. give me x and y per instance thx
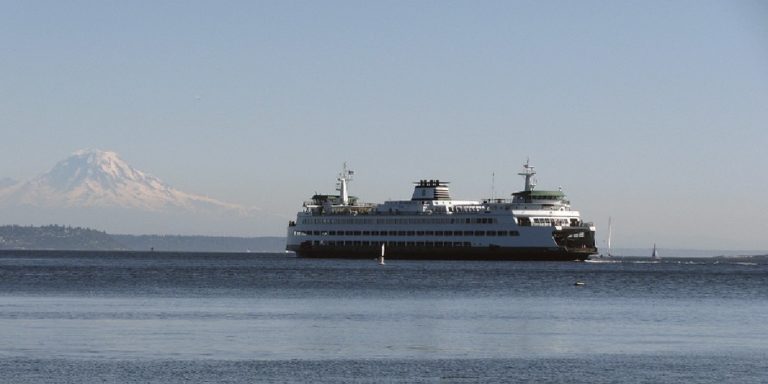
(608, 251)
(381, 258)
(609, 237)
(655, 253)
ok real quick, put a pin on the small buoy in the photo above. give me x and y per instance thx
(579, 283)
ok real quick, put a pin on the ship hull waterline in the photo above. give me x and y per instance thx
(432, 253)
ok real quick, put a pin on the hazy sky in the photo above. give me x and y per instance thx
(652, 112)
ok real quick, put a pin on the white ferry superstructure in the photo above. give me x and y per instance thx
(532, 225)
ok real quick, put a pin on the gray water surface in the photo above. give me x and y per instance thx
(165, 317)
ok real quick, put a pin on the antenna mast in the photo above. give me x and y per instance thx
(344, 177)
(528, 172)
(493, 185)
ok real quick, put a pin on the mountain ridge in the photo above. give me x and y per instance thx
(98, 189)
(95, 178)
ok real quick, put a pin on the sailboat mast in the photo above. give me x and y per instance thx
(609, 235)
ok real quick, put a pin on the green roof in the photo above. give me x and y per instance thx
(541, 194)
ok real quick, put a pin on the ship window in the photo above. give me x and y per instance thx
(438, 243)
(366, 233)
(502, 233)
(429, 233)
(479, 233)
(419, 233)
(401, 233)
(366, 243)
(491, 233)
(393, 233)
(357, 243)
(469, 233)
(467, 244)
(468, 221)
(357, 233)
(400, 243)
(430, 244)
(411, 243)
(514, 233)
(419, 243)
(457, 244)
(438, 233)
(411, 233)
(332, 233)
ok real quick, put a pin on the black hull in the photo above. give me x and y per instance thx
(463, 253)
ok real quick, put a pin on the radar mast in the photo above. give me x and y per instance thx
(528, 172)
(344, 177)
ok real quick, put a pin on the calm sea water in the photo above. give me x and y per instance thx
(236, 318)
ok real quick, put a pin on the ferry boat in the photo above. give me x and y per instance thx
(532, 225)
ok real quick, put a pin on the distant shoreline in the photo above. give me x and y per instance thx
(60, 237)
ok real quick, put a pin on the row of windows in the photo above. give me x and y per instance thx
(549, 221)
(406, 233)
(435, 244)
(396, 221)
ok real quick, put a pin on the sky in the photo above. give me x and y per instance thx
(654, 113)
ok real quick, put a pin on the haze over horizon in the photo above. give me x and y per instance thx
(653, 113)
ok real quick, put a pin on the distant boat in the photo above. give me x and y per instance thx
(609, 236)
(608, 252)
(655, 253)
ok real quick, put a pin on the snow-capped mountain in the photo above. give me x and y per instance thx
(7, 182)
(98, 189)
(94, 178)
